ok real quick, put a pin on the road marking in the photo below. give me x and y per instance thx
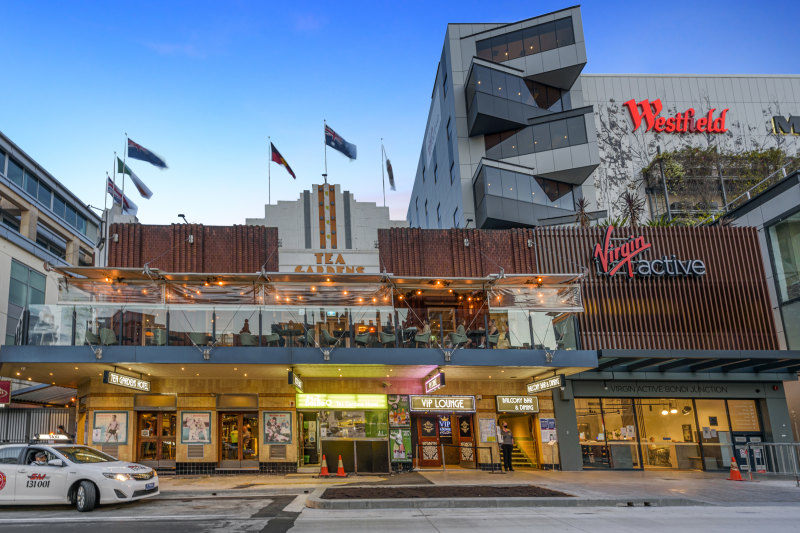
(297, 505)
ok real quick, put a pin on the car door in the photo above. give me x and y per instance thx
(9, 457)
(40, 483)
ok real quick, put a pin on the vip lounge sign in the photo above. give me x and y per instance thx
(626, 258)
(446, 404)
(112, 378)
(684, 122)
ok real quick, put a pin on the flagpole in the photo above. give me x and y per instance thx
(114, 180)
(325, 145)
(124, 166)
(383, 174)
(269, 172)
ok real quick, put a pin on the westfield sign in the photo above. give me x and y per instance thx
(685, 122)
(611, 260)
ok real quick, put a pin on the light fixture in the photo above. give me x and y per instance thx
(672, 408)
(686, 410)
(665, 411)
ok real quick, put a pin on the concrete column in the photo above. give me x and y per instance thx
(569, 448)
(73, 252)
(777, 422)
(29, 220)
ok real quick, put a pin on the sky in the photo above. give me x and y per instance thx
(204, 84)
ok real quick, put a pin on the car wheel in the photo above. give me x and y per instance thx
(85, 497)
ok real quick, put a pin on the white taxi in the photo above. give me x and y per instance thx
(70, 473)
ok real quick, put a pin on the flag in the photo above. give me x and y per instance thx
(390, 173)
(278, 158)
(137, 151)
(335, 141)
(122, 168)
(128, 207)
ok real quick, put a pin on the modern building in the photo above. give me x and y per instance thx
(314, 239)
(665, 357)
(505, 145)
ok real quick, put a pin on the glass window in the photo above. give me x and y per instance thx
(45, 195)
(524, 188)
(509, 184)
(516, 89)
(547, 36)
(791, 324)
(515, 45)
(499, 48)
(483, 79)
(591, 433)
(744, 415)
(449, 130)
(31, 184)
(576, 130)
(493, 186)
(566, 101)
(509, 146)
(427, 220)
(483, 49)
(715, 434)
(499, 86)
(558, 133)
(423, 174)
(2, 162)
(479, 188)
(444, 84)
(15, 172)
(668, 433)
(531, 41)
(525, 141)
(81, 225)
(564, 34)
(620, 429)
(541, 137)
(59, 206)
(10, 455)
(785, 240)
(72, 216)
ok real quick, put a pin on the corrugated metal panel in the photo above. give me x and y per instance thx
(18, 425)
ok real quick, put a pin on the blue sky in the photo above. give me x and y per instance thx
(204, 83)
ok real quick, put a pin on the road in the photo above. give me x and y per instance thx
(286, 513)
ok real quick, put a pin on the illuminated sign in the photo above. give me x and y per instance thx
(435, 383)
(448, 404)
(342, 401)
(5, 392)
(327, 264)
(546, 384)
(786, 126)
(681, 123)
(445, 427)
(295, 380)
(610, 260)
(517, 404)
(112, 378)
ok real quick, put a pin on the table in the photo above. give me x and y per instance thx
(475, 335)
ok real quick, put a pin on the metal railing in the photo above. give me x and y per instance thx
(772, 458)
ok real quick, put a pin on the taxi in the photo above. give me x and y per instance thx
(50, 470)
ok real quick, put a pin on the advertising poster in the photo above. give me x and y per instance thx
(110, 427)
(196, 427)
(277, 428)
(399, 410)
(548, 427)
(400, 438)
(488, 429)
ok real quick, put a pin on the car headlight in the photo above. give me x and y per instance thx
(118, 477)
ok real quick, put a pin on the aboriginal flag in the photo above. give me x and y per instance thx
(278, 158)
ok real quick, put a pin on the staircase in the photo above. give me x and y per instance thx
(519, 459)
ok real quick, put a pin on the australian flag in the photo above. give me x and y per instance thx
(137, 151)
(335, 141)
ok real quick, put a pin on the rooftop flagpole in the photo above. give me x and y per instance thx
(269, 172)
(325, 144)
(383, 174)
(114, 180)
(124, 167)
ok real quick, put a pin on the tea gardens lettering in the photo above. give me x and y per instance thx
(112, 378)
(327, 264)
(681, 123)
(786, 126)
(610, 260)
(464, 404)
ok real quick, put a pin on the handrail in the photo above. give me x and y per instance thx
(782, 170)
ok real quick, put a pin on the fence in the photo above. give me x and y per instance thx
(19, 425)
(771, 458)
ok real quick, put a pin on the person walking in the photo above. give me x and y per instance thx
(506, 445)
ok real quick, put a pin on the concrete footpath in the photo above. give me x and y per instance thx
(588, 488)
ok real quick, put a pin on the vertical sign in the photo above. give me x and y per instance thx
(5, 392)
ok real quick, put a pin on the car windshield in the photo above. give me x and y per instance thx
(83, 454)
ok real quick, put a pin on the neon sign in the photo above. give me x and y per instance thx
(681, 123)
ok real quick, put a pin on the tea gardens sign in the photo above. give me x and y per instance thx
(112, 378)
(610, 260)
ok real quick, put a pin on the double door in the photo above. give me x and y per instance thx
(239, 438)
(445, 437)
(156, 437)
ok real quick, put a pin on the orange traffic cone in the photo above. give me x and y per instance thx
(340, 471)
(735, 474)
(323, 471)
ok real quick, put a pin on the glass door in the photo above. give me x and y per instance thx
(239, 438)
(157, 439)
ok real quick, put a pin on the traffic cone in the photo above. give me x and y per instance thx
(735, 474)
(340, 471)
(323, 471)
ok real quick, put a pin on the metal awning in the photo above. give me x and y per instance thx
(705, 361)
(44, 394)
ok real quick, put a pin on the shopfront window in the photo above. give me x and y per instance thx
(785, 244)
(715, 434)
(620, 428)
(591, 433)
(668, 433)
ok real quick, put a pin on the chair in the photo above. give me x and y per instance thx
(457, 340)
(248, 339)
(272, 339)
(160, 337)
(327, 339)
(362, 339)
(200, 339)
(493, 340)
(424, 338)
(92, 339)
(307, 339)
(108, 337)
(387, 339)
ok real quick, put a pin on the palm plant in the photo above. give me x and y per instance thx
(582, 212)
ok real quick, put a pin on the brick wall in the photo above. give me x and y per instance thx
(215, 248)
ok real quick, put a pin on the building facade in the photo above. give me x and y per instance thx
(504, 145)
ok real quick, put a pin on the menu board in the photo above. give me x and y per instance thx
(488, 429)
(744, 416)
(399, 415)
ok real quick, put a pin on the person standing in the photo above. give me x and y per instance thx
(506, 446)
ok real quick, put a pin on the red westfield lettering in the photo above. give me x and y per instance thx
(614, 258)
(681, 123)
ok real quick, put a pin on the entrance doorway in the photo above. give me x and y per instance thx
(239, 440)
(309, 445)
(448, 434)
(156, 446)
(526, 452)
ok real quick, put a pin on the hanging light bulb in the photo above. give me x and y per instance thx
(664, 411)
(673, 408)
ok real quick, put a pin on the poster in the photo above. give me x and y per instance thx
(488, 429)
(399, 410)
(400, 439)
(277, 428)
(111, 427)
(195, 427)
(312, 431)
(548, 428)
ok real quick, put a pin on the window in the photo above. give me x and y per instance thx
(59, 206)
(576, 129)
(439, 215)
(455, 218)
(72, 216)
(26, 288)
(10, 455)
(515, 46)
(564, 33)
(2, 162)
(541, 137)
(45, 195)
(416, 208)
(483, 49)
(528, 41)
(547, 36)
(452, 172)
(15, 172)
(423, 174)
(31, 184)
(784, 239)
(558, 134)
(500, 48)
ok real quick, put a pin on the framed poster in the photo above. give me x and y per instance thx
(110, 427)
(195, 427)
(399, 410)
(400, 439)
(277, 427)
(488, 429)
